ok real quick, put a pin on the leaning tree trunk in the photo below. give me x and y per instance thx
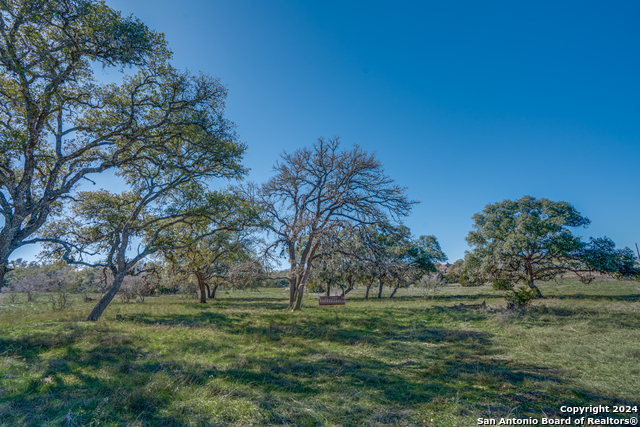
(394, 291)
(366, 296)
(531, 284)
(349, 288)
(295, 301)
(212, 294)
(106, 298)
(380, 288)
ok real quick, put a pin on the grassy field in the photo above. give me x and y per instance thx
(243, 360)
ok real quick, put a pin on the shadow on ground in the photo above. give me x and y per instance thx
(374, 369)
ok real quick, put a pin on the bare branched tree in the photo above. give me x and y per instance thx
(317, 191)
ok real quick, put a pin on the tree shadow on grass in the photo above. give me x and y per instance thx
(340, 375)
(551, 316)
(422, 298)
(630, 297)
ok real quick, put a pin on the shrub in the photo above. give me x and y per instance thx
(58, 296)
(430, 283)
(452, 277)
(56, 283)
(521, 297)
(136, 287)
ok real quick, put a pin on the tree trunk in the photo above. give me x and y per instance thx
(349, 288)
(212, 295)
(298, 302)
(208, 290)
(3, 271)
(533, 286)
(380, 288)
(394, 291)
(7, 237)
(293, 287)
(328, 288)
(203, 289)
(373, 279)
(106, 298)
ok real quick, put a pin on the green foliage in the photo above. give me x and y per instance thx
(501, 284)
(601, 255)
(520, 297)
(471, 273)
(59, 124)
(165, 196)
(395, 257)
(453, 272)
(426, 252)
(529, 240)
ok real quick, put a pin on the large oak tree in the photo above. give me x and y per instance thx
(58, 125)
(167, 191)
(317, 191)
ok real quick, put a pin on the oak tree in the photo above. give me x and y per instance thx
(529, 240)
(167, 191)
(58, 125)
(315, 192)
(211, 259)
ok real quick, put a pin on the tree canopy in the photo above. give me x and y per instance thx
(168, 192)
(211, 259)
(58, 125)
(315, 192)
(529, 240)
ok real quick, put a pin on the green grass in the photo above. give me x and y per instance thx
(243, 360)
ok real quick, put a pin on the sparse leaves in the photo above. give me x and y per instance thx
(318, 191)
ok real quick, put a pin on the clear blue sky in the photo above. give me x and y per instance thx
(465, 103)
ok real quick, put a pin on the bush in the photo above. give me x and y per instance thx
(136, 287)
(521, 297)
(55, 282)
(189, 287)
(454, 272)
(452, 277)
(430, 283)
(29, 284)
(58, 296)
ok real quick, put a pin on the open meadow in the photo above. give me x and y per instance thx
(244, 360)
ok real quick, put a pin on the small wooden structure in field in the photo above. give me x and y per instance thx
(331, 300)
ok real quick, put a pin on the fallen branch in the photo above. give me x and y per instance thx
(464, 306)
